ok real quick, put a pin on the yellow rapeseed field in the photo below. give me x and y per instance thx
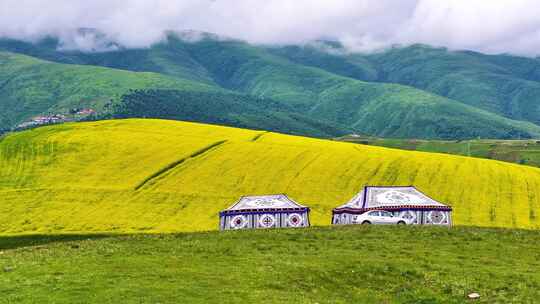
(163, 176)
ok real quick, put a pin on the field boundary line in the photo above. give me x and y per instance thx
(258, 136)
(179, 162)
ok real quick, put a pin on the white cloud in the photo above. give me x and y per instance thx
(493, 26)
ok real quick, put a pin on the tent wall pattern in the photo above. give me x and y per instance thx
(264, 211)
(406, 201)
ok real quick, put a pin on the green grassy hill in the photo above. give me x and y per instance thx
(502, 84)
(317, 265)
(317, 85)
(472, 78)
(169, 58)
(330, 56)
(525, 152)
(164, 176)
(30, 86)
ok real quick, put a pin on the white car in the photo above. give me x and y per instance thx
(379, 217)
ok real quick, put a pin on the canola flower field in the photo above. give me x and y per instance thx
(142, 175)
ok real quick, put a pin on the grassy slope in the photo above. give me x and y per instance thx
(525, 152)
(318, 265)
(29, 86)
(162, 58)
(503, 84)
(82, 177)
(329, 57)
(169, 58)
(499, 84)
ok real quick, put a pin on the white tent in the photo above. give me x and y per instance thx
(264, 211)
(405, 201)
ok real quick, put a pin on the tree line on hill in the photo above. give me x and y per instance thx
(219, 107)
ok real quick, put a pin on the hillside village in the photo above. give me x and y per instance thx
(56, 118)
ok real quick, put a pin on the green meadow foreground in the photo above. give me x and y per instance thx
(139, 175)
(348, 264)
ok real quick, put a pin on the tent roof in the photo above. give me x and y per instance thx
(400, 197)
(265, 202)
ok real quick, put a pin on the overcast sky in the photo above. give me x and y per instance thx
(491, 26)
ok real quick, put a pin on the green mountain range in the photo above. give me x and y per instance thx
(318, 89)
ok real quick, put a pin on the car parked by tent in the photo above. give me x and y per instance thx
(380, 217)
(402, 201)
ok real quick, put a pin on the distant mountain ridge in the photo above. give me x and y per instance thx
(504, 84)
(409, 92)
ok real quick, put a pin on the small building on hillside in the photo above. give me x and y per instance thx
(406, 201)
(264, 211)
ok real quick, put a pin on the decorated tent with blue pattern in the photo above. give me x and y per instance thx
(404, 201)
(264, 211)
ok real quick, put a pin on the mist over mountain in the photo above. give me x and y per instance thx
(360, 25)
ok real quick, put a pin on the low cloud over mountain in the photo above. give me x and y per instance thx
(496, 26)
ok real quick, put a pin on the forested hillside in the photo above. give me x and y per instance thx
(222, 108)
